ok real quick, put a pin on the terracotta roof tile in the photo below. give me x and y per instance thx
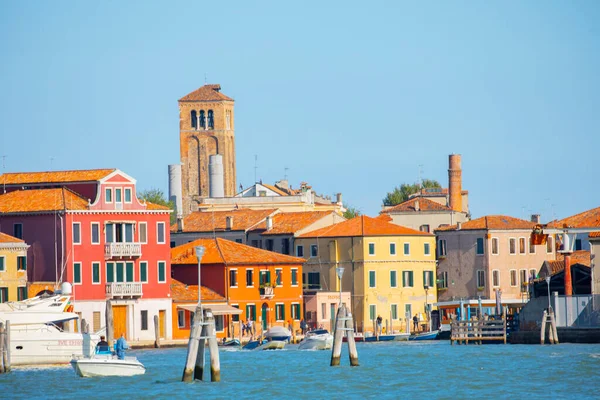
(154, 206)
(586, 219)
(4, 238)
(363, 226)
(39, 200)
(275, 189)
(594, 235)
(207, 221)
(411, 206)
(492, 222)
(206, 93)
(222, 251)
(582, 257)
(180, 292)
(291, 222)
(22, 178)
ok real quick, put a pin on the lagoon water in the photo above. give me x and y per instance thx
(387, 370)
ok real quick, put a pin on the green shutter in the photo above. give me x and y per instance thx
(268, 277)
(1, 263)
(22, 263)
(110, 272)
(96, 272)
(120, 271)
(410, 279)
(77, 273)
(143, 272)
(129, 271)
(161, 271)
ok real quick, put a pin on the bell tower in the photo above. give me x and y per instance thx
(206, 128)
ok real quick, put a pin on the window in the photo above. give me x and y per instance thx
(406, 249)
(262, 193)
(424, 228)
(127, 195)
(265, 278)
(480, 278)
(295, 309)
(249, 278)
(162, 277)
(393, 280)
(371, 249)
(143, 233)
(251, 312)
(314, 250)
(2, 265)
(407, 279)
(300, 251)
(392, 249)
(77, 273)
(76, 233)
(236, 240)
(531, 247)
(372, 312)
(394, 311)
(180, 319)
(21, 263)
(118, 195)
(95, 272)
(578, 245)
(324, 310)
(426, 249)
(371, 279)
(428, 278)
(108, 195)
(119, 233)
(129, 271)
(523, 278)
(235, 317)
(443, 277)
(269, 244)
(160, 232)
(532, 274)
(522, 246)
(279, 277)
(280, 312)
(144, 318)
(18, 231)
(496, 278)
(194, 119)
(407, 310)
(144, 271)
(202, 119)
(211, 119)
(442, 248)
(110, 272)
(495, 246)
(219, 326)
(512, 246)
(479, 246)
(285, 246)
(549, 246)
(314, 280)
(513, 277)
(233, 278)
(21, 293)
(95, 233)
(256, 243)
(120, 271)
(3, 294)
(294, 276)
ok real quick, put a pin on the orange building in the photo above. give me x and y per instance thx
(266, 286)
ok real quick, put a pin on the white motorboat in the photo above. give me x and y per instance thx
(272, 345)
(107, 365)
(278, 333)
(318, 339)
(35, 337)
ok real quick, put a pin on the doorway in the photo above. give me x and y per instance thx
(265, 316)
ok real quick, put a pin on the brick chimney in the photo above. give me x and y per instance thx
(454, 182)
(417, 208)
(229, 223)
(535, 218)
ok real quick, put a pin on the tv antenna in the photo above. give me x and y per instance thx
(4, 171)
(285, 170)
(420, 176)
(255, 166)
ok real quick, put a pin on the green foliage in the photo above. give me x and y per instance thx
(402, 193)
(157, 196)
(351, 211)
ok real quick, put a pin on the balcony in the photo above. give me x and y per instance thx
(123, 249)
(123, 289)
(266, 293)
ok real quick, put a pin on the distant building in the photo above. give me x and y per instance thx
(13, 268)
(594, 239)
(555, 269)
(434, 207)
(587, 219)
(478, 257)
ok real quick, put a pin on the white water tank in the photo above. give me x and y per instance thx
(66, 288)
(216, 186)
(175, 187)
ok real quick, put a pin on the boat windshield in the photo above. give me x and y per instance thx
(103, 349)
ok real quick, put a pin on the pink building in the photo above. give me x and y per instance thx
(89, 228)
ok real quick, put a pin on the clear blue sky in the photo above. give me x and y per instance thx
(351, 96)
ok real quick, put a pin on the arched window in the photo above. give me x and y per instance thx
(194, 119)
(202, 120)
(211, 120)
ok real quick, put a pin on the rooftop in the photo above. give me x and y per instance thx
(180, 292)
(84, 175)
(207, 92)
(586, 219)
(363, 226)
(4, 238)
(582, 257)
(39, 200)
(291, 222)
(208, 221)
(410, 205)
(491, 222)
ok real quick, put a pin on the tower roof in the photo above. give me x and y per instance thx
(206, 93)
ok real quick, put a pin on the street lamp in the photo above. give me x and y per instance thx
(548, 283)
(427, 305)
(340, 271)
(199, 253)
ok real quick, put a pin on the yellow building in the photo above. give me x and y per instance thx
(13, 268)
(389, 269)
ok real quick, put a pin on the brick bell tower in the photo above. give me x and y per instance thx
(205, 128)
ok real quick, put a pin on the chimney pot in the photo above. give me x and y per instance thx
(417, 206)
(180, 223)
(269, 223)
(458, 226)
(229, 223)
(535, 218)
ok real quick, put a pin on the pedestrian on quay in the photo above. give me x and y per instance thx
(416, 323)
(379, 320)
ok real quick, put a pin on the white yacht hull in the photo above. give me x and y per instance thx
(107, 366)
(319, 342)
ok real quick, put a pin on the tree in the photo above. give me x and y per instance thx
(402, 193)
(351, 211)
(157, 196)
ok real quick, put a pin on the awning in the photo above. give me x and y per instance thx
(217, 309)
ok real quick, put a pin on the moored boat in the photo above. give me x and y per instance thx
(424, 336)
(319, 339)
(107, 365)
(278, 333)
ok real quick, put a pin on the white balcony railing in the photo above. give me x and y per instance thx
(122, 250)
(124, 289)
(267, 293)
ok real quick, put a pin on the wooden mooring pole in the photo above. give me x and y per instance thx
(338, 338)
(343, 324)
(548, 321)
(195, 330)
(202, 329)
(156, 333)
(2, 350)
(110, 330)
(7, 346)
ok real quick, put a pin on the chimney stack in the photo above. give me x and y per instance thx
(269, 223)
(535, 218)
(458, 226)
(455, 182)
(338, 198)
(180, 223)
(229, 223)
(417, 208)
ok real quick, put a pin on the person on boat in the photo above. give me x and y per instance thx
(120, 347)
(416, 323)
(102, 346)
(303, 326)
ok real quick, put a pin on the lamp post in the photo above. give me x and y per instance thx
(340, 271)
(427, 306)
(548, 283)
(199, 253)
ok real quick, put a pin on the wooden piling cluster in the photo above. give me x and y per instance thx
(343, 327)
(156, 333)
(549, 320)
(478, 331)
(4, 347)
(203, 330)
